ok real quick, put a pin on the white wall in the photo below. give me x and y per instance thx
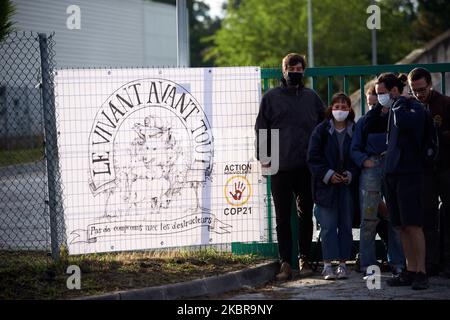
(160, 35)
(114, 33)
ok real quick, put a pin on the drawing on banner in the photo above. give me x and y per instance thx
(144, 155)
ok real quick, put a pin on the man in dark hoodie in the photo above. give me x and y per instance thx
(404, 168)
(294, 111)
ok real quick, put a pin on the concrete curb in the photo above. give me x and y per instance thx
(236, 280)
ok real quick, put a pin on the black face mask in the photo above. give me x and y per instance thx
(294, 78)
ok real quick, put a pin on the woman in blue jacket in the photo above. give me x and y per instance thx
(333, 173)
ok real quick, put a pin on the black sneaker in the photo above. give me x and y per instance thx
(420, 281)
(357, 267)
(305, 267)
(401, 280)
(432, 270)
(446, 271)
(384, 266)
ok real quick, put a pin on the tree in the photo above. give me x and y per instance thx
(201, 28)
(396, 38)
(261, 32)
(6, 13)
(258, 32)
(433, 18)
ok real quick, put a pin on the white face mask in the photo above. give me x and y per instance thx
(340, 115)
(385, 100)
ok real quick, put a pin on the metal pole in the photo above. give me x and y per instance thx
(182, 34)
(310, 37)
(269, 179)
(374, 47)
(374, 44)
(51, 146)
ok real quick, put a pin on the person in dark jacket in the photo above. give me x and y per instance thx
(437, 177)
(383, 226)
(333, 172)
(368, 152)
(404, 167)
(294, 111)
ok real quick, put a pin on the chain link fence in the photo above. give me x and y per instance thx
(31, 216)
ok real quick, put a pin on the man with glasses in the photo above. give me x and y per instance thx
(437, 177)
(295, 111)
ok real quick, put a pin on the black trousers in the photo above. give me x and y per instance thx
(437, 222)
(431, 222)
(287, 185)
(436, 226)
(444, 225)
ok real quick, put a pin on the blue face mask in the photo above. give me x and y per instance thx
(385, 100)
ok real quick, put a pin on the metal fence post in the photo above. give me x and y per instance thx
(51, 146)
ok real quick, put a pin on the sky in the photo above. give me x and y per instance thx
(216, 7)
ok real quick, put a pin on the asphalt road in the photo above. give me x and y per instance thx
(354, 288)
(24, 222)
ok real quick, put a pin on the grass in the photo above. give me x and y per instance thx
(32, 275)
(12, 157)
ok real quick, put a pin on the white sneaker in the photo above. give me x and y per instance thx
(342, 272)
(328, 273)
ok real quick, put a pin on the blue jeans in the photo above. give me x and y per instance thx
(336, 227)
(370, 195)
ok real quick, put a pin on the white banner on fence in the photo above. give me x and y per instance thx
(154, 158)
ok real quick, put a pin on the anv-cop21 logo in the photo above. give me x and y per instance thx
(150, 143)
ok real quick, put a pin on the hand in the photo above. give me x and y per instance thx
(368, 163)
(336, 178)
(346, 179)
(239, 189)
